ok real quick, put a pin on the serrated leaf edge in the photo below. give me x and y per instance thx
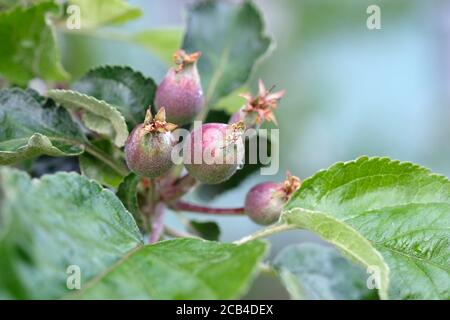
(361, 159)
(119, 124)
(121, 67)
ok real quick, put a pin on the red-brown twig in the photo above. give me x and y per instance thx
(184, 206)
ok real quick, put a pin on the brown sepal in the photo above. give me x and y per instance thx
(182, 59)
(158, 123)
(264, 103)
(290, 185)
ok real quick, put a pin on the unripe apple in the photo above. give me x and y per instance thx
(214, 151)
(149, 147)
(180, 92)
(264, 202)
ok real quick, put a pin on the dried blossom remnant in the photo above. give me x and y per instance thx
(158, 123)
(182, 59)
(234, 133)
(238, 126)
(264, 103)
(214, 152)
(290, 185)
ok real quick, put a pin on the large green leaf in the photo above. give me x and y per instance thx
(50, 224)
(122, 87)
(180, 269)
(162, 42)
(31, 126)
(312, 271)
(391, 216)
(231, 39)
(11, 3)
(28, 46)
(65, 220)
(97, 115)
(97, 13)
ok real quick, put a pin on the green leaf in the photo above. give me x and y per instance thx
(98, 13)
(28, 45)
(66, 220)
(180, 269)
(122, 87)
(386, 214)
(162, 42)
(231, 39)
(233, 102)
(97, 170)
(98, 115)
(315, 272)
(23, 3)
(55, 222)
(208, 230)
(32, 126)
(127, 193)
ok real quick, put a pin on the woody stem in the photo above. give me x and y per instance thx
(185, 206)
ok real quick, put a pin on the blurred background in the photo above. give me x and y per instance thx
(351, 91)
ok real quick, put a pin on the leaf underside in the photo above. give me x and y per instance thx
(103, 117)
(32, 126)
(317, 272)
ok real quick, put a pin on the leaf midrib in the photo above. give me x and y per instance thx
(215, 78)
(25, 141)
(125, 258)
(100, 276)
